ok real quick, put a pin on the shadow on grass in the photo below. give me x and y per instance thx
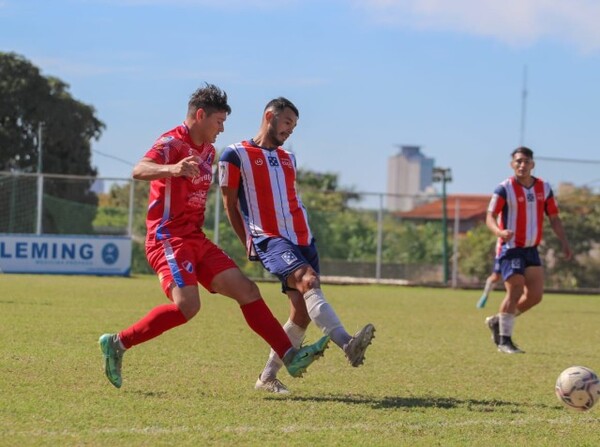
(484, 406)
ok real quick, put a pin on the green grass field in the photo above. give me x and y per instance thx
(432, 376)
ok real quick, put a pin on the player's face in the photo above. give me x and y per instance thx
(282, 126)
(210, 126)
(522, 165)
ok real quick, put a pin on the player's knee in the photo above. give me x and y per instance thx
(247, 292)
(189, 310)
(310, 280)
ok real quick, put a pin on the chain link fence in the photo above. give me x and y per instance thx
(358, 239)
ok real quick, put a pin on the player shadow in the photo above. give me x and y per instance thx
(387, 402)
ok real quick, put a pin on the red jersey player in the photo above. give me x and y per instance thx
(272, 222)
(179, 167)
(516, 215)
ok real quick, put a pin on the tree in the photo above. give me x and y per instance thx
(580, 214)
(30, 100)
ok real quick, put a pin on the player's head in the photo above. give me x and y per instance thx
(524, 151)
(278, 105)
(280, 118)
(209, 98)
(207, 112)
(522, 161)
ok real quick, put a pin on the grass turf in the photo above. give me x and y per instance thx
(432, 376)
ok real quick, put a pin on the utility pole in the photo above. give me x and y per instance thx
(444, 175)
(523, 106)
(40, 183)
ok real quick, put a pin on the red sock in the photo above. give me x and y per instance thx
(158, 320)
(261, 320)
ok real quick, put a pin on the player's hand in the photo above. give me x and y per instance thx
(506, 235)
(567, 252)
(187, 167)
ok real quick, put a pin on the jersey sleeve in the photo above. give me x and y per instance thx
(162, 151)
(498, 200)
(551, 205)
(229, 168)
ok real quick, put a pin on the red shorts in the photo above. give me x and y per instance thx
(187, 262)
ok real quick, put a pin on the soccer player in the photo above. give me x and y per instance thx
(179, 168)
(516, 215)
(258, 180)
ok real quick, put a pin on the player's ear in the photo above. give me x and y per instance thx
(200, 114)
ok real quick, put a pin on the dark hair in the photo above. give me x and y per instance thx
(210, 98)
(278, 104)
(522, 150)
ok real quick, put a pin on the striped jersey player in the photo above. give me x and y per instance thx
(258, 180)
(516, 216)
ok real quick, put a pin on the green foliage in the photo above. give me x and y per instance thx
(580, 215)
(28, 99)
(476, 252)
(345, 233)
(68, 126)
(436, 384)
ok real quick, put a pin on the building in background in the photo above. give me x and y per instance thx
(409, 179)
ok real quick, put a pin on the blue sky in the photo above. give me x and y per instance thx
(367, 76)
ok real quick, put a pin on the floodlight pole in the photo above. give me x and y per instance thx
(444, 175)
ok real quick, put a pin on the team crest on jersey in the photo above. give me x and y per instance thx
(188, 266)
(289, 257)
(287, 163)
(258, 162)
(273, 162)
(530, 198)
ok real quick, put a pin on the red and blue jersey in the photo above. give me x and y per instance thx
(266, 183)
(522, 210)
(177, 204)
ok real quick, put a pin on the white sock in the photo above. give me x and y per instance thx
(507, 322)
(325, 317)
(296, 335)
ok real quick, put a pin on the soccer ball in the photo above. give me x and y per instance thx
(578, 388)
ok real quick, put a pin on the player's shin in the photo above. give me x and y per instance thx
(321, 312)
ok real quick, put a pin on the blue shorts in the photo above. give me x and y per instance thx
(496, 268)
(514, 261)
(281, 257)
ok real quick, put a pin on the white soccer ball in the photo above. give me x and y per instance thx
(578, 388)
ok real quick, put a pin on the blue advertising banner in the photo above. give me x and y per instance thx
(87, 255)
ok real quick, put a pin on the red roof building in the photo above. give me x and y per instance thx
(471, 210)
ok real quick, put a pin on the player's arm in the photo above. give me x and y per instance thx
(491, 220)
(149, 169)
(232, 210)
(559, 230)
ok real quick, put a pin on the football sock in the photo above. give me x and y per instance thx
(507, 322)
(325, 317)
(158, 320)
(261, 320)
(296, 335)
